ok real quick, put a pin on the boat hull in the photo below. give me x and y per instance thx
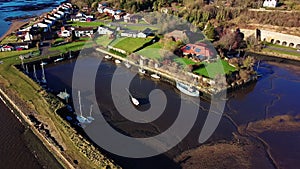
(187, 90)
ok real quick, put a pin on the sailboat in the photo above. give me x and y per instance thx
(132, 99)
(90, 118)
(34, 74)
(43, 75)
(64, 95)
(81, 118)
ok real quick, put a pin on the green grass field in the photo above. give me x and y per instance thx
(10, 39)
(152, 51)
(184, 61)
(74, 46)
(281, 52)
(103, 40)
(210, 70)
(87, 24)
(132, 44)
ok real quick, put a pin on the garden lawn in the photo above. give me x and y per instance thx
(132, 44)
(218, 67)
(151, 51)
(74, 46)
(87, 24)
(184, 61)
(103, 40)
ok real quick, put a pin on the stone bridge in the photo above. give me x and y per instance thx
(273, 37)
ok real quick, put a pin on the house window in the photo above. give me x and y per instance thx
(197, 50)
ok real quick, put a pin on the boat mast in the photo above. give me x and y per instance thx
(26, 67)
(79, 99)
(34, 74)
(91, 109)
(43, 75)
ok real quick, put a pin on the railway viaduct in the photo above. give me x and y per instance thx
(273, 37)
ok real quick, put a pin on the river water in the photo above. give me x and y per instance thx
(274, 94)
(14, 152)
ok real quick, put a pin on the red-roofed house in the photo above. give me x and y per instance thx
(201, 51)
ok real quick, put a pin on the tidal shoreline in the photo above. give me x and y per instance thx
(40, 147)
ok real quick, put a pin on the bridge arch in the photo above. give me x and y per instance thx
(272, 41)
(277, 42)
(291, 45)
(284, 43)
(298, 46)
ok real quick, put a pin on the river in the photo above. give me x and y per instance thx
(273, 95)
(17, 144)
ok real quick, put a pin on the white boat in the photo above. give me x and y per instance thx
(127, 65)
(142, 71)
(107, 57)
(64, 95)
(58, 59)
(132, 99)
(43, 63)
(187, 89)
(155, 76)
(117, 61)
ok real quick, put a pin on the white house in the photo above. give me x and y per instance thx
(58, 16)
(6, 48)
(65, 33)
(131, 18)
(48, 21)
(141, 35)
(61, 13)
(104, 31)
(84, 31)
(52, 18)
(270, 3)
(109, 11)
(129, 33)
(101, 8)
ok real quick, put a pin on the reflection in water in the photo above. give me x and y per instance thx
(275, 93)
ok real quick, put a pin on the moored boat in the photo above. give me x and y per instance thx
(117, 61)
(155, 76)
(107, 57)
(58, 59)
(43, 63)
(187, 89)
(142, 71)
(127, 65)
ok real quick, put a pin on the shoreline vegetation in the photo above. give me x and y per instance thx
(38, 109)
